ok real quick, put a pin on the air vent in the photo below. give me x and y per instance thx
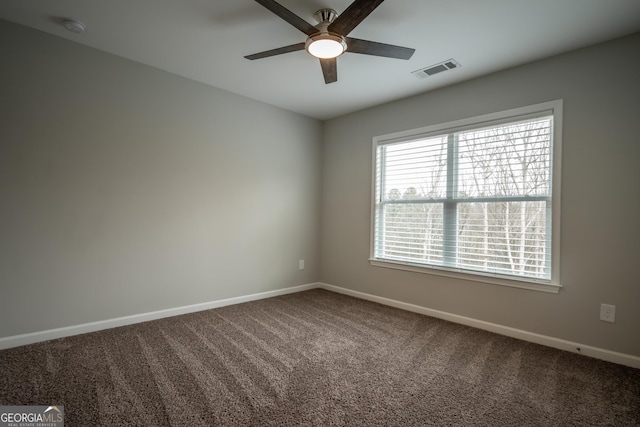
(431, 70)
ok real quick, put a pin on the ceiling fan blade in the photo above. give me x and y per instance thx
(367, 47)
(289, 16)
(329, 70)
(278, 51)
(353, 15)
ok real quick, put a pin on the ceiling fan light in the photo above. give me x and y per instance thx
(326, 46)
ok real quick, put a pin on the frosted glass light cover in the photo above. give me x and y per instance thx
(326, 48)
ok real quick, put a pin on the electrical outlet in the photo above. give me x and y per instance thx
(608, 313)
(301, 264)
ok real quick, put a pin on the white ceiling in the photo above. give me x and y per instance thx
(205, 40)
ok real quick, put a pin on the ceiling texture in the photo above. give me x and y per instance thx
(206, 41)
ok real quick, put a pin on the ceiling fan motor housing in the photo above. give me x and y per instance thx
(325, 16)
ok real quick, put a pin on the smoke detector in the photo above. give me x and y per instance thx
(74, 26)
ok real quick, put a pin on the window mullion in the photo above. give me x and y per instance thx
(450, 208)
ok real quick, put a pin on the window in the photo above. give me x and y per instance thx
(475, 197)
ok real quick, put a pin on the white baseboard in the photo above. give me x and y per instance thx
(598, 353)
(595, 352)
(31, 338)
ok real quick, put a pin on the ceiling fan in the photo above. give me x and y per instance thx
(328, 40)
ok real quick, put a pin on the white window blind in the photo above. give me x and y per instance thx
(474, 199)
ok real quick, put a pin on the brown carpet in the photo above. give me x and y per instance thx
(315, 358)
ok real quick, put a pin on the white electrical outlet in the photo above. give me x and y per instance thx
(301, 264)
(608, 313)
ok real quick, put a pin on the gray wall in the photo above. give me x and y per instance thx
(600, 252)
(125, 189)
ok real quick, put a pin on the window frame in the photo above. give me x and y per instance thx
(553, 108)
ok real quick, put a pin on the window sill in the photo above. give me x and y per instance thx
(479, 277)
